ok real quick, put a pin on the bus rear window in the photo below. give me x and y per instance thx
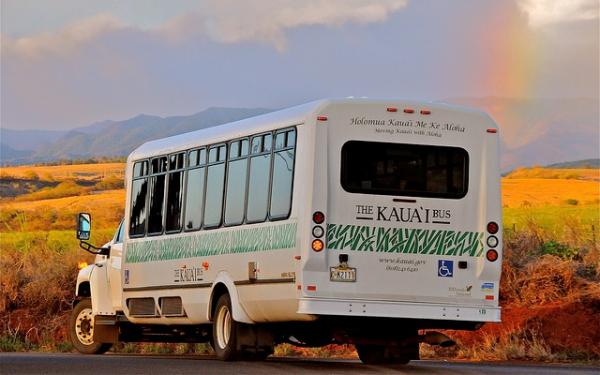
(404, 169)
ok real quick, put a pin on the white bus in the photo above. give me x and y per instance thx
(338, 221)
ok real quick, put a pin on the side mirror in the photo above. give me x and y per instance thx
(84, 226)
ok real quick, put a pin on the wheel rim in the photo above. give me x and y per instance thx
(84, 327)
(223, 327)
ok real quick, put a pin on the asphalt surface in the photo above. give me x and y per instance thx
(44, 363)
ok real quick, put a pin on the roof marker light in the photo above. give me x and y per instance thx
(321, 118)
(392, 109)
(409, 110)
(425, 112)
(492, 130)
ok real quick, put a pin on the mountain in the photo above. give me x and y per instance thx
(532, 132)
(542, 131)
(586, 163)
(28, 140)
(10, 153)
(119, 138)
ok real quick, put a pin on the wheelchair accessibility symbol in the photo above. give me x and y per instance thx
(445, 268)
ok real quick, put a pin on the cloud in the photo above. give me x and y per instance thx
(544, 13)
(231, 21)
(63, 41)
(223, 21)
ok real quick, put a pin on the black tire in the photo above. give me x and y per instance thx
(379, 354)
(81, 329)
(371, 354)
(225, 330)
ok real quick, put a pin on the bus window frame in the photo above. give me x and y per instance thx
(134, 178)
(182, 169)
(229, 159)
(466, 173)
(274, 150)
(201, 164)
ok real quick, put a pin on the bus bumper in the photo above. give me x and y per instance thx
(388, 309)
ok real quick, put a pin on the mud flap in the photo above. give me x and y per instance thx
(106, 329)
(253, 339)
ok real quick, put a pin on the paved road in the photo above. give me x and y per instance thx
(43, 363)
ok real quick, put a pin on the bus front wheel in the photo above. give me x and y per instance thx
(224, 330)
(81, 329)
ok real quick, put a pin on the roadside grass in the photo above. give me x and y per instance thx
(569, 224)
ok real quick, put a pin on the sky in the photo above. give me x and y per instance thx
(68, 63)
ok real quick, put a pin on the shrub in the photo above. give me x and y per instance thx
(560, 250)
(31, 175)
(110, 183)
(68, 188)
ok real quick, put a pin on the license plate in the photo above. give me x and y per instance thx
(342, 274)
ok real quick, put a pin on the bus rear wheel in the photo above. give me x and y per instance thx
(81, 329)
(224, 330)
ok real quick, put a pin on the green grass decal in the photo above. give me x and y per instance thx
(404, 240)
(216, 242)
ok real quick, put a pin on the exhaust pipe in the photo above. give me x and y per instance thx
(437, 338)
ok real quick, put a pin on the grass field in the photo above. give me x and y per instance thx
(556, 173)
(62, 172)
(551, 265)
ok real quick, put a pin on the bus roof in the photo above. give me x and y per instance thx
(277, 119)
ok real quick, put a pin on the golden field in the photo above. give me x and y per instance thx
(63, 172)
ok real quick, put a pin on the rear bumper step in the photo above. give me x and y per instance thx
(410, 310)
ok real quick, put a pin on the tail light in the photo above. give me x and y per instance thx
(492, 227)
(318, 231)
(317, 245)
(491, 255)
(318, 217)
(492, 241)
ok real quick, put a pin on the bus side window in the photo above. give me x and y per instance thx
(174, 192)
(283, 173)
(258, 184)
(194, 190)
(139, 191)
(237, 170)
(215, 181)
(157, 195)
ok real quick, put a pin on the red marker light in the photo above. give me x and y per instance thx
(392, 109)
(311, 288)
(318, 217)
(489, 298)
(321, 118)
(425, 112)
(491, 255)
(492, 227)
(492, 130)
(409, 110)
